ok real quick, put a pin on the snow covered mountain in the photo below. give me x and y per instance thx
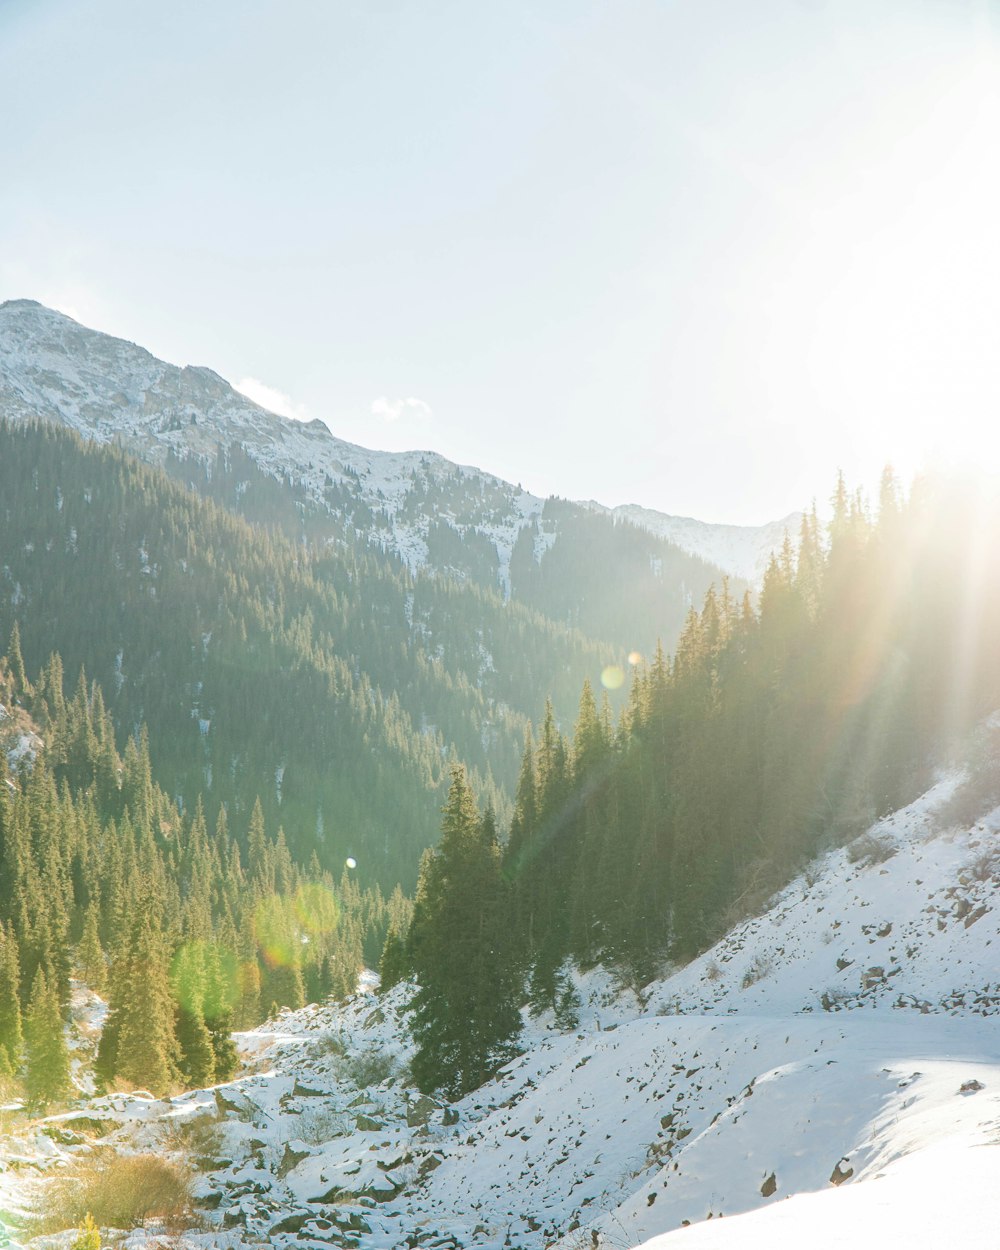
(110, 390)
(828, 1074)
(742, 550)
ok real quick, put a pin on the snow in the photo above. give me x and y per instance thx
(727, 1089)
(110, 390)
(741, 550)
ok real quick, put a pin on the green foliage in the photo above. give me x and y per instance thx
(11, 1035)
(89, 1235)
(328, 682)
(393, 966)
(465, 1019)
(171, 923)
(47, 1074)
(775, 730)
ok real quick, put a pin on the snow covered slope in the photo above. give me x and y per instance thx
(831, 1059)
(742, 550)
(110, 390)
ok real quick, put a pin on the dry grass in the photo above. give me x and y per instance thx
(762, 966)
(119, 1191)
(869, 849)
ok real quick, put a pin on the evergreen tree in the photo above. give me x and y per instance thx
(142, 1043)
(393, 967)
(15, 662)
(90, 955)
(47, 1071)
(11, 1038)
(465, 1017)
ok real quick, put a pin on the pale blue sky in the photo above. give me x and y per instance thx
(690, 255)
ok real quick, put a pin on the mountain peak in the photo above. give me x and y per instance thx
(109, 389)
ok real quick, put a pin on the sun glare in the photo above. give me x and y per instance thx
(887, 307)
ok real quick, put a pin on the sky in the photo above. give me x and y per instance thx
(693, 255)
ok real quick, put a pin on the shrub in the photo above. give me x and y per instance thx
(88, 1236)
(319, 1125)
(869, 849)
(329, 1044)
(762, 966)
(370, 1066)
(118, 1191)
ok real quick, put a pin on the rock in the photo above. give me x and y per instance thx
(291, 1159)
(769, 1187)
(63, 1136)
(384, 1195)
(840, 1173)
(232, 1102)
(450, 1117)
(303, 1091)
(419, 1113)
(210, 1200)
(290, 1223)
(872, 977)
(91, 1125)
(971, 1087)
(365, 1124)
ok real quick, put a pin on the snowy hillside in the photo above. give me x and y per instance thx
(113, 391)
(742, 550)
(839, 1050)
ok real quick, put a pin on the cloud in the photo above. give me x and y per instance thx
(394, 409)
(271, 398)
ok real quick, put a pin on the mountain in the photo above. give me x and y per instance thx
(626, 577)
(827, 1074)
(329, 683)
(744, 551)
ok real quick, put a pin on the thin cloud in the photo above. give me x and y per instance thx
(271, 398)
(393, 410)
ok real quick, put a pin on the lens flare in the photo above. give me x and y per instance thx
(276, 932)
(351, 862)
(206, 978)
(613, 677)
(634, 658)
(316, 909)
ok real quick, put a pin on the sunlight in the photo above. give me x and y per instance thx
(884, 304)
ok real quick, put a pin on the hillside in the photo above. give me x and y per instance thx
(840, 1046)
(626, 583)
(331, 685)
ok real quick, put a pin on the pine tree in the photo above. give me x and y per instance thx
(11, 1038)
(47, 1070)
(393, 967)
(188, 983)
(16, 663)
(142, 1038)
(90, 955)
(465, 1010)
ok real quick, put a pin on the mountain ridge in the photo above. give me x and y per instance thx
(158, 405)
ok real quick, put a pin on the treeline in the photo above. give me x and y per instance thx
(188, 931)
(327, 682)
(775, 731)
